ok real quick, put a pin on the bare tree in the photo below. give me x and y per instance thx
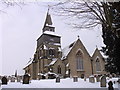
(10, 3)
(89, 14)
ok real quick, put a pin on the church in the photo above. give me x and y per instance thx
(72, 61)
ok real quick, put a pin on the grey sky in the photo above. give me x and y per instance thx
(20, 29)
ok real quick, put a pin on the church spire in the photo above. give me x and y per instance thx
(48, 23)
(48, 20)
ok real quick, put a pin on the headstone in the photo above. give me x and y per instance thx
(113, 75)
(75, 79)
(12, 79)
(26, 79)
(91, 79)
(114, 82)
(110, 85)
(0, 83)
(57, 79)
(84, 78)
(18, 79)
(4, 81)
(98, 78)
(110, 76)
(46, 76)
(103, 81)
(118, 81)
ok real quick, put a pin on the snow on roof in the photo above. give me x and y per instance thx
(40, 74)
(45, 47)
(67, 72)
(67, 65)
(103, 55)
(29, 62)
(51, 33)
(51, 73)
(99, 49)
(58, 44)
(66, 50)
(53, 62)
(51, 48)
(59, 49)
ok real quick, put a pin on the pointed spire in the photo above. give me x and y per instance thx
(48, 19)
(48, 23)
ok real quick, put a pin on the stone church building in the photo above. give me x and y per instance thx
(73, 60)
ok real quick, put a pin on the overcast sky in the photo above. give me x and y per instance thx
(21, 26)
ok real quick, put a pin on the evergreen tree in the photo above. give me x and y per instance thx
(111, 36)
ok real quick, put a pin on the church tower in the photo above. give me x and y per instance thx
(48, 48)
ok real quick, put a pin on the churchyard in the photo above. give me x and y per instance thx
(75, 82)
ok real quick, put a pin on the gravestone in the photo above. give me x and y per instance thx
(110, 85)
(26, 79)
(110, 76)
(4, 81)
(57, 79)
(18, 79)
(47, 77)
(0, 83)
(113, 75)
(118, 81)
(84, 78)
(98, 78)
(103, 81)
(91, 79)
(114, 82)
(75, 79)
(12, 79)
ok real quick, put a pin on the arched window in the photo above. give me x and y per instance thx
(51, 52)
(59, 69)
(98, 67)
(79, 60)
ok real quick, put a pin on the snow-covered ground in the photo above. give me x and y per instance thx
(64, 83)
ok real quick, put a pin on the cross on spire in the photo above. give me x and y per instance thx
(96, 46)
(48, 8)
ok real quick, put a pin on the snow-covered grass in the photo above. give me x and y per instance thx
(64, 83)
